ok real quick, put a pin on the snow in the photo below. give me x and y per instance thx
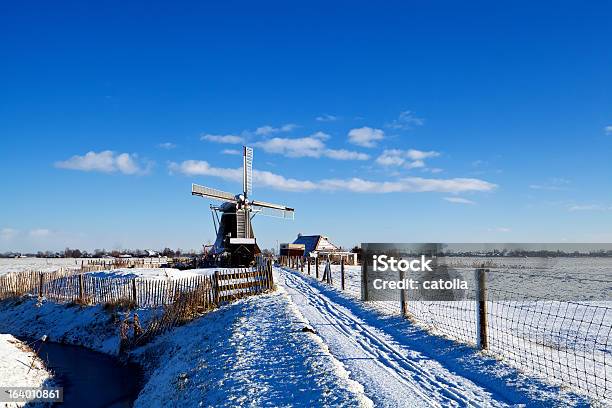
(400, 365)
(89, 326)
(305, 344)
(36, 264)
(253, 353)
(155, 273)
(20, 366)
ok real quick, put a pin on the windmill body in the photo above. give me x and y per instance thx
(236, 244)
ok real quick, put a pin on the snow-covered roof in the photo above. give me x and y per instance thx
(314, 243)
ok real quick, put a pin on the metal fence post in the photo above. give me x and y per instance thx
(308, 259)
(482, 340)
(317, 267)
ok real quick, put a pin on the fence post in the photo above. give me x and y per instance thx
(81, 288)
(134, 293)
(482, 340)
(317, 267)
(270, 274)
(40, 284)
(403, 302)
(216, 287)
(308, 259)
(364, 279)
(342, 273)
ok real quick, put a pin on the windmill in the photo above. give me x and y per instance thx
(236, 244)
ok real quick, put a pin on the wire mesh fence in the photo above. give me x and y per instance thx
(566, 342)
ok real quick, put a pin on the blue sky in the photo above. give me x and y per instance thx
(407, 121)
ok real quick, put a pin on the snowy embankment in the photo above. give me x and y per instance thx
(399, 364)
(257, 351)
(20, 366)
(93, 327)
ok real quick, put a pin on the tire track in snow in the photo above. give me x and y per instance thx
(390, 374)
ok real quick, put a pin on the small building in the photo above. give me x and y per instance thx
(315, 246)
(292, 249)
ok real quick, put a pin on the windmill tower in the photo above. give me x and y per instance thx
(236, 244)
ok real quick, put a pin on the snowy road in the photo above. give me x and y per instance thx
(392, 374)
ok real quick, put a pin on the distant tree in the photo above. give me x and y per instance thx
(167, 252)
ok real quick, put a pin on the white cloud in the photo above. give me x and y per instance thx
(107, 162)
(231, 151)
(227, 139)
(406, 120)
(420, 155)
(326, 118)
(365, 136)
(342, 154)
(608, 130)
(500, 229)
(310, 146)
(8, 233)
(357, 185)
(202, 168)
(555, 183)
(458, 200)
(260, 178)
(126, 164)
(40, 233)
(410, 159)
(589, 207)
(409, 185)
(269, 130)
(166, 145)
(417, 164)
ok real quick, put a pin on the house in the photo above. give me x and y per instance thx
(316, 246)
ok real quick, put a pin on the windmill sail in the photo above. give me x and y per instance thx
(273, 210)
(208, 192)
(247, 176)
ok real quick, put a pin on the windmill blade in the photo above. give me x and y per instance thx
(247, 166)
(273, 210)
(208, 192)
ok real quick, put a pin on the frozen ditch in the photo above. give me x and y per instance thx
(90, 378)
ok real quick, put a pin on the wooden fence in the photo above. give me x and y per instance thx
(68, 285)
(91, 265)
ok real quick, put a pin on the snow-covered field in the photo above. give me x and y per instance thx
(37, 264)
(400, 365)
(305, 344)
(567, 343)
(20, 366)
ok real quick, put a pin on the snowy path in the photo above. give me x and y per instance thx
(392, 375)
(251, 353)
